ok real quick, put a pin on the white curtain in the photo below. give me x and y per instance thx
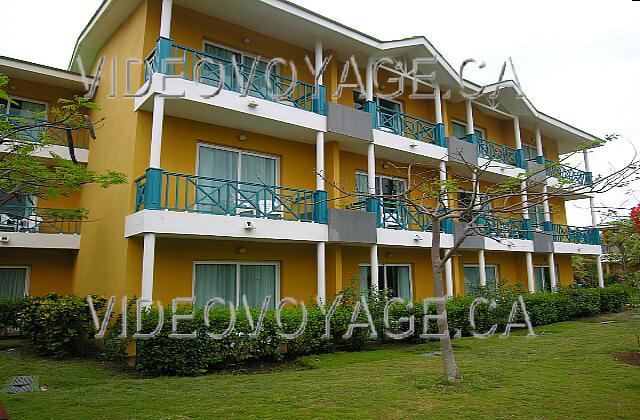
(215, 280)
(257, 282)
(258, 169)
(12, 282)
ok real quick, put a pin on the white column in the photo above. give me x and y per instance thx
(374, 268)
(369, 80)
(525, 199)
(438, 103)
(600, 273)
(530, 274)
(469, 109)
(165, 19)
(322, 282)
(148, 260)
(443, 178)
(594, 218)
(319, 59)
(545, 204)
(482, 268)
(320, 160)
(516, 132)
(156, 131)
(371, 168)
(552, 271)
(539, 142)
(448, 275)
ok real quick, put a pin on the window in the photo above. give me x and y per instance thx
(14, 282)
(395, 278)
(472, 276)
(233, 165)
(24, 108)
(464, 200)
(530, 153)
(231, 280)
(459, 130)
(536, 214)
(542, 276)
(210, 74)
(385, 185)
(387, 108)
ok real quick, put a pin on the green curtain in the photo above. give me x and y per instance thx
(215, 196)
(215, 280)
(398, 281)
(256, 282)
(471, 278)
(365, 278)
(12, 282)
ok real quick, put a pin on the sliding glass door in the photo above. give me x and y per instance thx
(396, 278)
(223, 196)
(13, 282)
(472, 276)
(230, 281)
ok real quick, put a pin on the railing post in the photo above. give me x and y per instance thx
(163, 53)
(588, 178)
(541, 160)
(320, 101)
(320, 207)
(153, 189)
(595, 233)
(520, 163)
(547, 226)
(526, 226)
(373, 206)
(371, 108)
(446, 226)
(471, 138)
(440, 138)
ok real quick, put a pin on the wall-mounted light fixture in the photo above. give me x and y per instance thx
(242, 137)
(242, 250)
(385, 165)
(246, 40)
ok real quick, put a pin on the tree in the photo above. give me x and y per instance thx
(22, 174)
(496, 211)
(622, 240)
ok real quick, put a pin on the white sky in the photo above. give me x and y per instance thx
(577, 60)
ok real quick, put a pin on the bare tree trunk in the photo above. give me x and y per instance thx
(450, 367)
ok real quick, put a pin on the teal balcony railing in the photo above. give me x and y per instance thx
(36, 220)
(497, 152)
(405, 125)
(392, 214)
(575, 234)
(567, 174)
(504, 227)
(176, 60)
(159, 190)
(45, 131)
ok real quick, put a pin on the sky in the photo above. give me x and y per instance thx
(577, 60)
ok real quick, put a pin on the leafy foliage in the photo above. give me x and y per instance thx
(10, 315)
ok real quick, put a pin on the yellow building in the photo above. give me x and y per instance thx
(250, 189)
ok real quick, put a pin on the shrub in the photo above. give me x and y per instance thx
(58, 325)
(10, 315)
(614, 297)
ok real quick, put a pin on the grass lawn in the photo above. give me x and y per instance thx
(568, 372)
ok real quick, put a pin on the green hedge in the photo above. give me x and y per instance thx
(58, 325)
(61, 326)
(10, 315)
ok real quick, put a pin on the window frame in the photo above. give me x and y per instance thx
(495, 266)
(385, 274)
(240, 152)
(242, 53)
(376, 99)
(480, 129)
(380, 176)
(35, 101)
(27, 279)
(238, 264)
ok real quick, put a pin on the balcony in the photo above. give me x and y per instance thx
(175, 60)
(160, 190)
(575, 234)
(405, 125)
(566, 174)
(497, 152)
(395, 215)
(37, 227)
(504, 227)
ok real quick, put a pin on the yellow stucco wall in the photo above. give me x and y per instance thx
(50, 270)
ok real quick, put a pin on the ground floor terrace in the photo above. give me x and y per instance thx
(228, 268)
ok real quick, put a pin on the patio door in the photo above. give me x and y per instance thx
(219, 194)
(23, 108)
(396, 278)
(472, 276)
(13, 282)
(542, 276)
